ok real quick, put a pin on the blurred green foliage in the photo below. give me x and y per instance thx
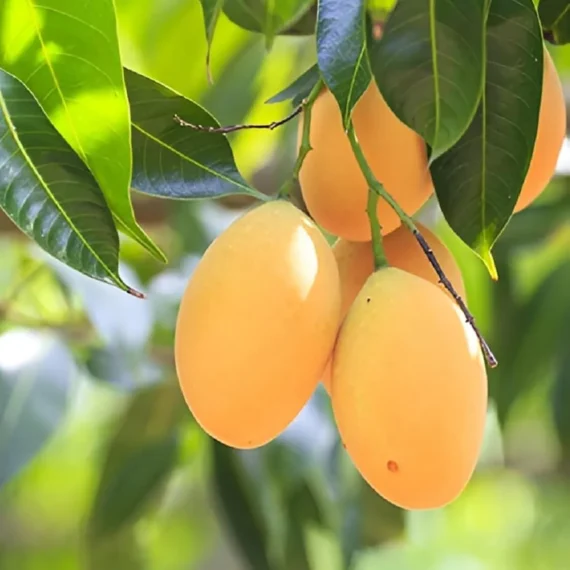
(101, 464)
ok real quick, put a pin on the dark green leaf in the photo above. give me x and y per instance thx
(211, 10)
(238, 502)
(555, 18)
(49, 193)
(122, 550)
(300, 88)
(561, 393)
(139, 458)
(428, 65)
(238, 84)
(305, 26)
(174, 161)
(36, 380)
(269, 17)
(302, 510)
(479, 180)
(533, 330)
(67, 54)
(341, 51)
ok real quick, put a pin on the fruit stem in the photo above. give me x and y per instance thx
(380, 259)
(305, 146)
(376, 187)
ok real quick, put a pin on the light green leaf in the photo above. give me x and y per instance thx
(211, 10)
(67, 54)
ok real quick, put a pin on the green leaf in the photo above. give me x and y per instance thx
(479, 180)
(67, 54)
(341, 51)
(36, 380)
(555, 19)
(302, 510)
(305, 25)
(561, 394)
(428, 65)
(299, 89)
(270, 17)
(174, 161)
(211, 10)
(379, 8)
(139, 457)
(49, 193)
(323, 549)
(534, 330)
(121, 550)
(237, 500)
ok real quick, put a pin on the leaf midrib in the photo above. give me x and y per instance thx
(484, 140)
(352, 84)
(433, 44)
(32, 8)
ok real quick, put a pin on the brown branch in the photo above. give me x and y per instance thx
(233, 128)
(489, 356)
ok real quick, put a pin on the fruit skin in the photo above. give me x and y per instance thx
(549, 137)
(256, 325)
(334, 188)
(356, 263)
(409, 390)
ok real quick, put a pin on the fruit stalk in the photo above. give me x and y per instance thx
(378, 252)
(378, 188)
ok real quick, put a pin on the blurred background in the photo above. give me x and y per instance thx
(101, 463)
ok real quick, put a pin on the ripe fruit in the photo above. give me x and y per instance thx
(256, 325)
(549, 137)
(332, 184)
(356, 263)
(409, 390)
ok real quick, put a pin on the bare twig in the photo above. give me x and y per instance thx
(233, 128)
(489, 356)
(409, 223)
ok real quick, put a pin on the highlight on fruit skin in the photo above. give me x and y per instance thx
(356, 263)
(256, 325)
(409, 390)
(549, 137)
(333, 187)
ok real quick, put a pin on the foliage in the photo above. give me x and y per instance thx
(99, 463)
